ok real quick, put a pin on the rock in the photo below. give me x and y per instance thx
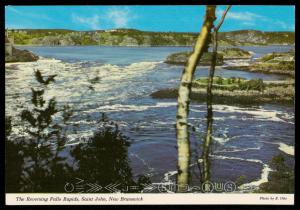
(235, 53)
(278, 57)
(280, 93)
(21, 56)
(182, 57)
(273, 63)
(280, 63)
(165, 93)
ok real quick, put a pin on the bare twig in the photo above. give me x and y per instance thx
(223, 18)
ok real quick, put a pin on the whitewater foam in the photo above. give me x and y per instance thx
(288, 149)
(126, 107)
(258, 114)
(254, 184)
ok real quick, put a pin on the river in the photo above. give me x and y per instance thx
(244, 139)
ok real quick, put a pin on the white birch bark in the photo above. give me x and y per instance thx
(184, 91)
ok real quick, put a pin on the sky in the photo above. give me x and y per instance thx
(148, 18)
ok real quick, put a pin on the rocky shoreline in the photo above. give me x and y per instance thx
(238, 59)
(181, 58)
(20, 56)
(277, 92)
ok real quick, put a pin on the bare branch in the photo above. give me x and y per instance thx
(222, 19)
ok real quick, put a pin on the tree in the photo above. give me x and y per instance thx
(35, 163)
(38, 156)
(207, 141)
(184, 91)
(184, 98)
(103, 160)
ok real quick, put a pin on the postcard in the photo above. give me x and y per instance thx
(149, 104)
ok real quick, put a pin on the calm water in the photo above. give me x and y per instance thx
(245, 138)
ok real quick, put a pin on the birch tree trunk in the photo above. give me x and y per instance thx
(184, 91)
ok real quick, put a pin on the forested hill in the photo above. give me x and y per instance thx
(132, 37)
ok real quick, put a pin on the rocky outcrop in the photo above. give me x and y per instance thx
(21, 56)
(274, 63)
(235, 53)
(182, 57)
(277, 92)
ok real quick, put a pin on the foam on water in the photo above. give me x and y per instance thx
(237, 150)
(257, 114)
(130, 108)
(290, 150)
(237, 62)
(247, 187)
(287, 149)
(254, 184)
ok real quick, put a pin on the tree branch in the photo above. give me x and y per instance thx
(222, 19)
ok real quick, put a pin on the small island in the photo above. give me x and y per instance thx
(181, 58)
(237, 91)
(235, 53)
(272, 63)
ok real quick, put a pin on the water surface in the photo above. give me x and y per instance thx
(244, 139)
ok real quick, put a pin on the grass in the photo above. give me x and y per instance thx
(231, 84)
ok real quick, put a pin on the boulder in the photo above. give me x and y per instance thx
(235, 53)
(182, 57)
(21, 56)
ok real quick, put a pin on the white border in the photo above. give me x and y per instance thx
(147, 198)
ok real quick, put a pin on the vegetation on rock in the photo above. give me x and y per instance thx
(275, 63)
(237, 91)
(235, 53)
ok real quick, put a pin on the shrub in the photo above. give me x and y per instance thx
(253, 84)
(281, 180)
(102, 159)
(36, 163)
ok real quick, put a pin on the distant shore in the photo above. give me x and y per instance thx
(139, 46)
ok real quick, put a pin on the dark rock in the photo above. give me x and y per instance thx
(165, 93)
(21, 56)
(182, 57)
